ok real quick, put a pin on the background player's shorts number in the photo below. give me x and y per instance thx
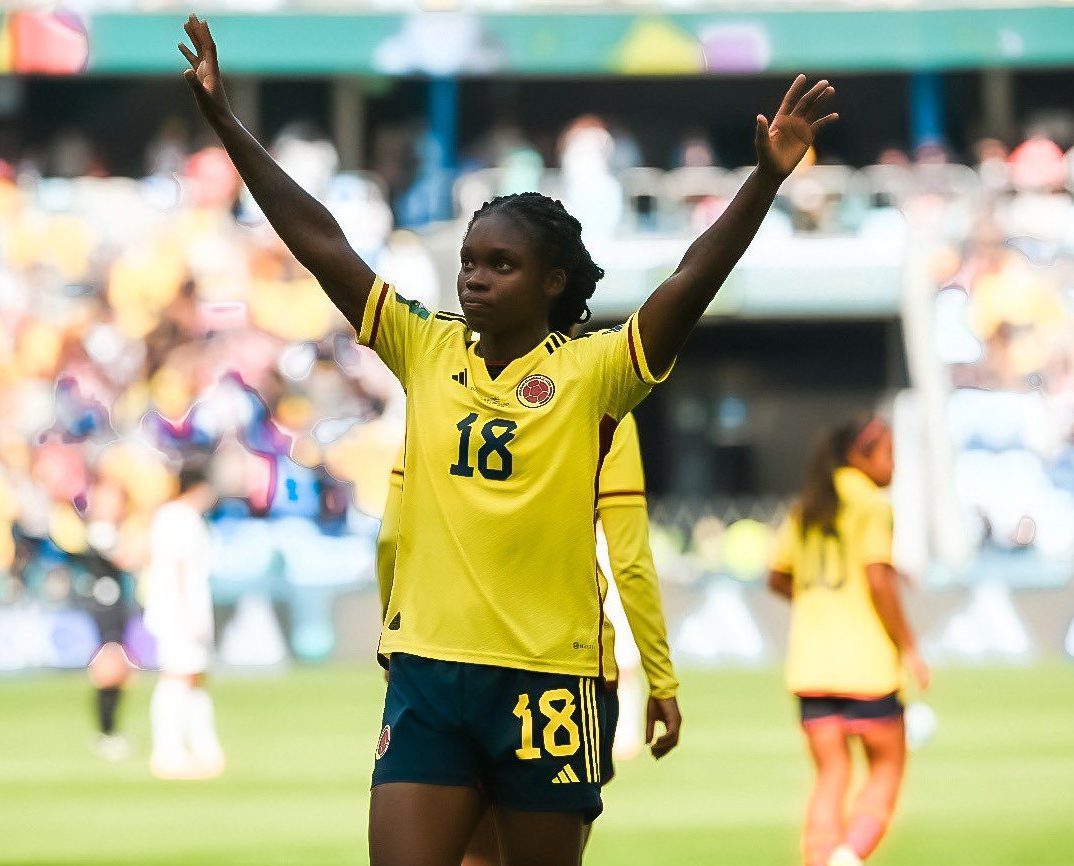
(494, 461)
(561, 737)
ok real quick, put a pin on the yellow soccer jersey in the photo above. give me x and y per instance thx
(838, 644)
(496, 560)
(388, 537)
(624, 515)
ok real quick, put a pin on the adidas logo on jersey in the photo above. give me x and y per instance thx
(460, 377)
(565, 776)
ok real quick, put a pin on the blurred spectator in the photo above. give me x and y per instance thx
(72, 154)
(694, 151)
(590, 190)
(931, 153)
(893, 156)
(626, 152)
(167, 152)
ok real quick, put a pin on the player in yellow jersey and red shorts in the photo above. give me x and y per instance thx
(494, 631)
(623, 514)
(849, 638)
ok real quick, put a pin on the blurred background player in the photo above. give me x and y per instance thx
(849, 638)
(110, 668)
(624, 517)
(179, 614)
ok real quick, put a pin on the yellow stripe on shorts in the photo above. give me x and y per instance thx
(596, 731)
(587, 733)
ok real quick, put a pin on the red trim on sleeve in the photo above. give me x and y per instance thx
(376, 315)
(621, 493)
(633, 351)
(604, 439)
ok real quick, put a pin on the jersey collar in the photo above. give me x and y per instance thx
(851, 483)
(509, 373)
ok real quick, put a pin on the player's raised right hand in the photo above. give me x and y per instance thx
(204, 73)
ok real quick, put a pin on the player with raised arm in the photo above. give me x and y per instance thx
(494, 629)
(849, 638)
(623, 514)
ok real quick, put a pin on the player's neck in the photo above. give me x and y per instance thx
(503, 348)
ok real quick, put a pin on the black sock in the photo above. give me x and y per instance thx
(107, 702)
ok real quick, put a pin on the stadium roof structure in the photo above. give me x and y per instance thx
(547, 38)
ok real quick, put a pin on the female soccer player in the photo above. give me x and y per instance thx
(494, 627)
(179, 613)
(848, 640)
(623, 513)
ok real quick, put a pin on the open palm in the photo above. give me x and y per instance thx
(204, 73)
(782, 144)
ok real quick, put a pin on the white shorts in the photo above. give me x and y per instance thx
(183, 656)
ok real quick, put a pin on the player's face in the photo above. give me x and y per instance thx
(503, 285)
(879, 463)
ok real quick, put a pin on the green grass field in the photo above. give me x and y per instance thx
(994, 788)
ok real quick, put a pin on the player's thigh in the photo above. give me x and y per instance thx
(483, 848)
(826, 738)
(539, 838)
(182, 656)
(413, 824)
(885, 745)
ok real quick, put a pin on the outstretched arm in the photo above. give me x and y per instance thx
(626, 527)
(884, 589)
(670, 313)
(303, 223)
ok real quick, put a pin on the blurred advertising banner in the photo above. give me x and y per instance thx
(43, 43)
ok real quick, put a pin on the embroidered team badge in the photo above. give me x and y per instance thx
(384, 741)
(535, 390)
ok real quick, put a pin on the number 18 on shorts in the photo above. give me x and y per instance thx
(529, 741)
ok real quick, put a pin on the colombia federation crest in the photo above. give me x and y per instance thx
(535, 391)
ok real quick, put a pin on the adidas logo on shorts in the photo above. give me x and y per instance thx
(565, 776)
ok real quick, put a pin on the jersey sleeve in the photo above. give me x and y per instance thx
(622, 478)
(877, 533)
(624, 516)
(786, 542)
(627, 530)
(623, 374)
(397, 329)
(388, 537)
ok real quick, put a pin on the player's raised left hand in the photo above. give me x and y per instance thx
(666, 711)
(204, 73)
(782, 143)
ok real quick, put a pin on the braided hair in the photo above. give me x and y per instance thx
(558, 237)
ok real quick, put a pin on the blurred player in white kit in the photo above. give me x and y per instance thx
(179, 613)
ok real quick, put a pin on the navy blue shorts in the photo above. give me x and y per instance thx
(854, 714)
(530, 741)
(607, 734)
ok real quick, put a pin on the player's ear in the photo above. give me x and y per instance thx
(555, 283)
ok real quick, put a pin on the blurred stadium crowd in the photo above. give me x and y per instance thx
(158, 319)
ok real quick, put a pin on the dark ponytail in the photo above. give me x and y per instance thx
(818, 505)
(558, 237)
